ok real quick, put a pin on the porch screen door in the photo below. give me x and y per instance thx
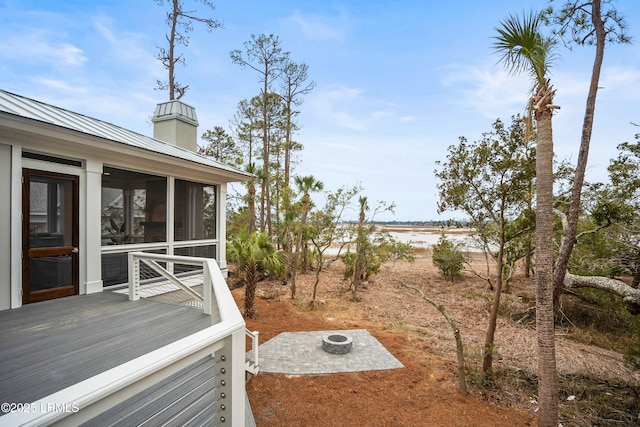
(49, 235)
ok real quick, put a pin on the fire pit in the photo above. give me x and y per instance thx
(337, 343)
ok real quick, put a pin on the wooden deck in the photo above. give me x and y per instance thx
(47, 346)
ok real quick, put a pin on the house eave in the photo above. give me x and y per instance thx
(57, 138)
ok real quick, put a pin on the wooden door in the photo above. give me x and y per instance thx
(49, 235)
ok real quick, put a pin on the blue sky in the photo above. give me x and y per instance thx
(397, 81)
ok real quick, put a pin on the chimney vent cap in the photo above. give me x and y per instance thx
(175, 110)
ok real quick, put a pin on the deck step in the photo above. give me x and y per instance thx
(252, 367)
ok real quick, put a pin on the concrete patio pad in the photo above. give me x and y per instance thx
(300, 353)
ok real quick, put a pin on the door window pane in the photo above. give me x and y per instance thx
(50, 212)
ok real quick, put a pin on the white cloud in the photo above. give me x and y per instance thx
(486, 89)
(131, 49)
(36, 45)
(60, 85)
(105, 31)
(318, 27)
(349, 108)
(624, 82)
(492, 92)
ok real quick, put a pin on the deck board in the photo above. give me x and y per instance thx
(50, 345)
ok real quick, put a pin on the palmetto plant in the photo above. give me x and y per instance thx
(255, 255)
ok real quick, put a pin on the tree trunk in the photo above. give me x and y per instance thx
(287, 233)
(636, 277)
(315, 284)
(306, 264)
(296, 255)
(265, 202)
(547, 375)
(251, 281)
(251, 208)
(172, 42)
(357, 274)
(487, 361)
(287, 145)
(569, 239)
(359, 262)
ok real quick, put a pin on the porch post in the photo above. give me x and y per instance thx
(16, 227)
(5, 226)
(91, 252)
(221, 213)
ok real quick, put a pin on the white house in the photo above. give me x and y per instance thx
(84, 204)
(78, 194)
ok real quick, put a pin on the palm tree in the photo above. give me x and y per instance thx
(254, 254)
(305, 185)
(523, 48)
(251, 194)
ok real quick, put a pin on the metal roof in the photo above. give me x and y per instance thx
(35, 110)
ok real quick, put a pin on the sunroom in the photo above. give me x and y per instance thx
(82, 193)
(85, 205)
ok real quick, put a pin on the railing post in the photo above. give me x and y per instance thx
(207, 290)
(230, 376)
(238, 376)
(254, 348)
(134, 277)
(223, 402)
(252, 364)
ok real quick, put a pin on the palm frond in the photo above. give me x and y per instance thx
(522, 46)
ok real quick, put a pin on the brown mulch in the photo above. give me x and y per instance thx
(423, 393)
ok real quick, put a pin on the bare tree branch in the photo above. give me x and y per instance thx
(630, 296)
(462, 383)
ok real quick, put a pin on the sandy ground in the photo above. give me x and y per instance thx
(424, 393)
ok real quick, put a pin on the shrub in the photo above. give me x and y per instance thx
(448, 257)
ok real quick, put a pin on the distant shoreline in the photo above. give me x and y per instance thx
(432, 229)
(423, 236)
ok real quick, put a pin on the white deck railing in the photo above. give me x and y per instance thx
(252, 364)
(224, 340)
